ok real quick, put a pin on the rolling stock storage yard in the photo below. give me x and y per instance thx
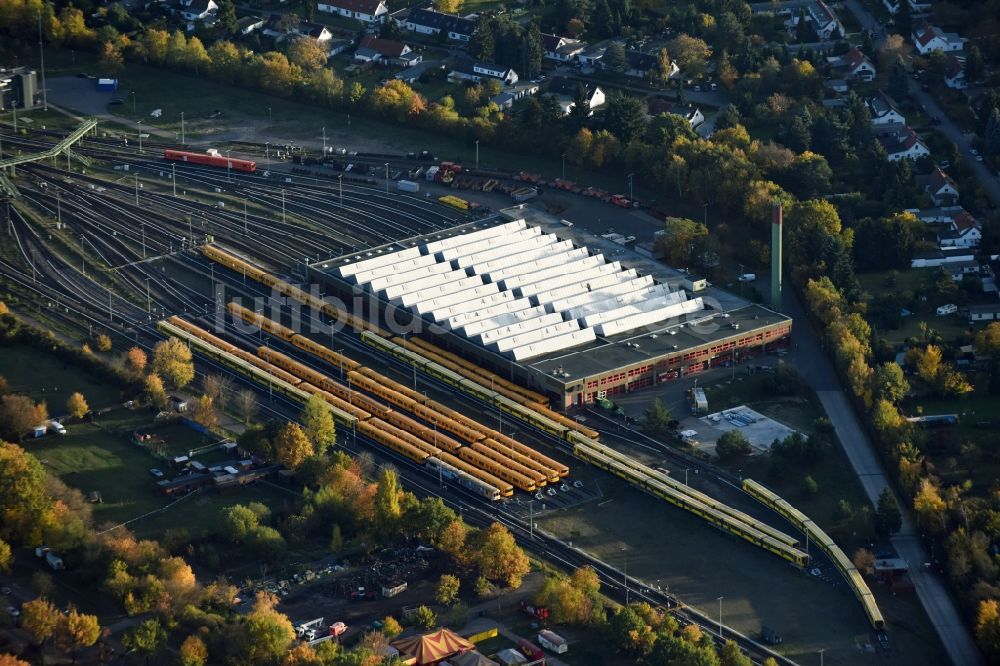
(461, 346)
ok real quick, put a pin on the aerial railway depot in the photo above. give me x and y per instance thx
(538, 303)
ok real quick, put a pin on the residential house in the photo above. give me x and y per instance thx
(386, 52)
(506, 99)
(591, 56)
(477, 71)
(964, 231)
(824, 21)
(854, 64)
(937, 214)
(903, 144)
(954, 72)
(928, 38)
(198, 10)
(884, 110)
(561, 49)
(430, 22)
(957, 270)
(338, 46)
(564, 90)
(689, 112)
(366, 11)
(640, 63)
(941, 188)
(988, 312)
(279, 31)
(248, 24)
(916, 6)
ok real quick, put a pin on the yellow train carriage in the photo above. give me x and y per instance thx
(335, 359)
(446, 423)
(202, 333)
(260, 321)
(374, 432)
(267, 367)
(540, 478)
(416, 396)
(407, 437)
(380, 391)
(551, 475)
(434, 437)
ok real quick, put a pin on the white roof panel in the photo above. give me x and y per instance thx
(595, 295)
(446, 287)
(566, 269)
(472, 316)
(581, 287)
(532, 245)
(348, 270)
(461, 239)
(558, 343)
(648, 305)
(486, 244)
(500, 301)
(381, 283)
(541, 321)
(397, 291)
(535, 335)
(581, 277)
(547, 255)
(364, 277)
(454, 298)
(645, 318)
(641, 301)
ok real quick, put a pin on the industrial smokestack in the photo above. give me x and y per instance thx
(776, 256)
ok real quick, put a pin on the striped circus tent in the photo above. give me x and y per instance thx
(433, 647)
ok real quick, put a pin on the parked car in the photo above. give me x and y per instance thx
(157, 473)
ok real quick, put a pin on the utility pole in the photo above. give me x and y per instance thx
(340, 180)
(564, 166)
(59, 208)
(149, 302)
(477, 153)
(720, 616)
(630, 187)
(133, 103)
(173, 177)
(245, 216)
(182, 129)
(144, 246)
(137, 189)
(282, 206)
(229, 167)
(387, 178)
(41, 55)
(139, 123)
(324, 142)
(625, 553)
(531, 520)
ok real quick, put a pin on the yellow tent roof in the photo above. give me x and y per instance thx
(433, 647)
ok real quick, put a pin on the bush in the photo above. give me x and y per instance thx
(732, 445)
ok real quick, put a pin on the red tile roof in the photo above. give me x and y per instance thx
(390, 48)
(938, 180)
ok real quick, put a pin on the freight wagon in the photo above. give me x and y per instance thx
(211, 158)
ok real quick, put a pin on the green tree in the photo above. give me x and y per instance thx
(292, 446)
(148, 638)
(40, 618)
(227, 15)
(614, 58)
(888, 519)
(317, 421)
(992, 133)
(387, 508)
(729, 116)
(336, 539)
(424, 618)
(624, 117)
(731, 655)
(238, 522)
(447, 589)
(677, 242)
(731, 445)
(269, 633)
(889, 382)
(172, 361)
(809, 486)
(656, 418)
(24, 499)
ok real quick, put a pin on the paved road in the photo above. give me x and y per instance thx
(941, 610)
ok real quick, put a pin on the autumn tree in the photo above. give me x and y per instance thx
(218, 388)
(988, 340)
(269, 633)
(292, 446)
(148, 638)
(204, 412)
(572, 599)
(926, 362)
(193, 652)
(40, 618)
(76, 406)
(678, 240)
(864, 560)
(154, 392)
(103, 342)
(112, 61)
(498, 556)
(135, 360)
(690, 53)
(25, 504)
(19, 414)
(172, 361)
(76, 631)
(929, 505)
(988, 628)
(391, 627)
(306, 53)
(424, 618)
(452, 540)
(448, 6)
(6, 556)
(11, 660)
(317, 421)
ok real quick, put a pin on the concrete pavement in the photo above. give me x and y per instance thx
(934, 597)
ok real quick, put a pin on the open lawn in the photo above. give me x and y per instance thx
(42, 376)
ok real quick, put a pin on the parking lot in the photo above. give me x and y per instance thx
(758, 429)
(557, 496)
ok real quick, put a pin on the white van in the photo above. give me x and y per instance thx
(947, 309)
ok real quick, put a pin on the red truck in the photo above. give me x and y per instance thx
(540, 613)
(530, 650)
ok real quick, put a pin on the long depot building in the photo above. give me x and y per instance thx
(576, 316)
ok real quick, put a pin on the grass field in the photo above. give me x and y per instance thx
(44, 377)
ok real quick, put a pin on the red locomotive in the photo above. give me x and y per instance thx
(211, 158)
